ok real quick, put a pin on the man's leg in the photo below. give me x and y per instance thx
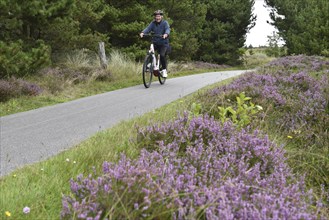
(162, 50)
(163, 60)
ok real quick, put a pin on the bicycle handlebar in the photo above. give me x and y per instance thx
(152, 35)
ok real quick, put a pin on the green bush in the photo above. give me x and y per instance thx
(18, 61)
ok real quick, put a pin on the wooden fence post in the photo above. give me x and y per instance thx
(102, 55)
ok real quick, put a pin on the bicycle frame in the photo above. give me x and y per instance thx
(156, 62)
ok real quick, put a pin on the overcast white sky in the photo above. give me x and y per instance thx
(258, 34)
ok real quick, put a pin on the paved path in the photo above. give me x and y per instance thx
(35, 135)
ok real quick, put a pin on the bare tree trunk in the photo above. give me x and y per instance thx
(102, 55)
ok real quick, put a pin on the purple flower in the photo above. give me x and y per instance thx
(26, 210)
(195, 167)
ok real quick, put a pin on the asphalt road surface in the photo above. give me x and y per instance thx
(36, 135)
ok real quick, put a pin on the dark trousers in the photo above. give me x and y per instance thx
(162, 50)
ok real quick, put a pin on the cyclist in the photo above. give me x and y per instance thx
(159, 27)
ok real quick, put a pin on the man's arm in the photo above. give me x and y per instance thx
(167, 27)
(167, 30)
(147, 29)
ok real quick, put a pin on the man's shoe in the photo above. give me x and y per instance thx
(164, 73)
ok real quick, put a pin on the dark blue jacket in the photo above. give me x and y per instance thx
(158, 29)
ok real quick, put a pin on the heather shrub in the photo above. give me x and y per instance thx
(28, 88)
(64, 75)
(17, 87)
(194, 168)
(295, 102)
(291, 64)
(53, 80)
(6, 90)
(294, 92)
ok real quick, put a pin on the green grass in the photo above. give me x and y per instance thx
(40, 186)
(311, 162)
(256, 58)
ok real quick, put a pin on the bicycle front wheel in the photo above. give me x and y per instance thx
(147, 71)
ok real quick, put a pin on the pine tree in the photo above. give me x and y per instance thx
(79, 29)
(225, 29)
(35, 28)
(22, 25)
(186, 18)
(123, 22)
(303, 25)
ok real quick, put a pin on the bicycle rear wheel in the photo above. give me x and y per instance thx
(147, 71)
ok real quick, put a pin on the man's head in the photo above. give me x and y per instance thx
(158, 15)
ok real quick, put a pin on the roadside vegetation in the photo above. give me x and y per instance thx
(268, 131)
(256, 57)
(79, 75)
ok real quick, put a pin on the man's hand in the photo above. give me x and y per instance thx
(165, 36)
(141, 34)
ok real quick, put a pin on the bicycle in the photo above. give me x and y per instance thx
(152, 65)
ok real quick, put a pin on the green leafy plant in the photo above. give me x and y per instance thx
(196, 109)
(242, 114)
